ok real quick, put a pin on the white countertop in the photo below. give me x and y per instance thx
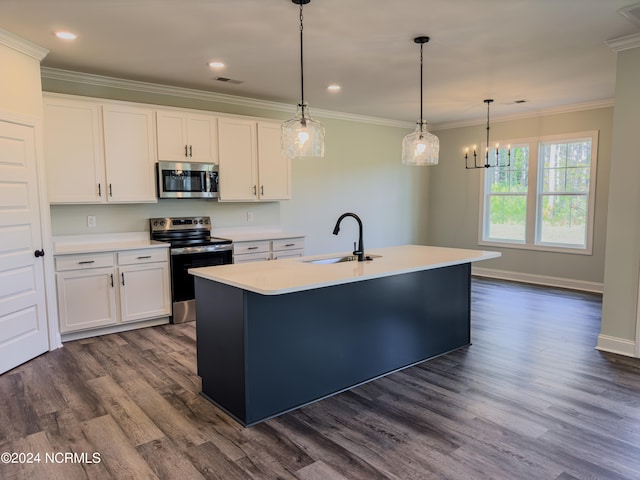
(253, 235)
(109, 242)
(289, 275)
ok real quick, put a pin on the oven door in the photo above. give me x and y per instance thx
(183, 284)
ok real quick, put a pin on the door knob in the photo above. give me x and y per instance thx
(39, 253)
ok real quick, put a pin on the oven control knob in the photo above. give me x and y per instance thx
(162, 223)
(206, 220)
(155, 223)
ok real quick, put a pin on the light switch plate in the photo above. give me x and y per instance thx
(91, 221)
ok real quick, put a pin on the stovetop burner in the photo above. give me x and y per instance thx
(186, 233)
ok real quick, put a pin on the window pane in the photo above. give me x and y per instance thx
(578, 179)
(512, 179)
(554, 180)
(564, 219)
(554, 155)
(579, 153)
(507, 217)
(566, 167)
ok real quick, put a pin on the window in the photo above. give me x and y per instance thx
(544, 199)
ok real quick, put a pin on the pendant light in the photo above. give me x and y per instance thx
(302, 137)
(420, 147)
(488, 162)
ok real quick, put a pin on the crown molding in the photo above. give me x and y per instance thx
(578, 107)
(624, 43)
(23, 46)
(156, 88)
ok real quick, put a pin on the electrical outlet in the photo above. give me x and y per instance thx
(91, 221)
(249, 216)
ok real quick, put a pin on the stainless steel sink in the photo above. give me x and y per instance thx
(348, 258)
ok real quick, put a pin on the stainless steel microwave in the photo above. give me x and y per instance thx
(187, 180)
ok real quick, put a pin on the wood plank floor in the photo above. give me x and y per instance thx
(530, 399)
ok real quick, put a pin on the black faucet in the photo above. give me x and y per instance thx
(359, 252)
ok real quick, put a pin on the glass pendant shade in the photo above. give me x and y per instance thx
(302, 137)
(420, 147)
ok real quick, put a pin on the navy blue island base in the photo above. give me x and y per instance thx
(260, 356)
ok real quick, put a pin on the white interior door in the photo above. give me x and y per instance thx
(23, 318)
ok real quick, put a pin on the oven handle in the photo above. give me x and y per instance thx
(207, 249)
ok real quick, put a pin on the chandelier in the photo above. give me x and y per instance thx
(488, 162)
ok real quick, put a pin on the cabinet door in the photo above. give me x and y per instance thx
(86, 299)
(171, 129)
(202, 138)
(73, 151)
(145, 291)
(129, 153)
(274, 169)
(238, 159)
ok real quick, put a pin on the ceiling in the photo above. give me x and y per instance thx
(548, 52)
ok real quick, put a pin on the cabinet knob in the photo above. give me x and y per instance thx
(39, 253)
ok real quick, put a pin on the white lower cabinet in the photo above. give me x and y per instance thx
(267, 249)
(86, 299)
(113, 288)
(287, 248)
(144, 291)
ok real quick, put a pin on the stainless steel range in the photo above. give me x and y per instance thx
(192, 246)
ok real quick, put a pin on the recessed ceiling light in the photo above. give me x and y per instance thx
(66, 35)
(216, 64)
(333, 88)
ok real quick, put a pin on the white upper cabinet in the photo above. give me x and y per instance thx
(103, 151)
(129, 153)
(252, 167)
(73, 151)
(187, 137)
(98, 152)
(274, 169)
(238, 159)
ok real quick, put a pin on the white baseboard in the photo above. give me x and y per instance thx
(621, 346)
(549, 281)
(121, 327)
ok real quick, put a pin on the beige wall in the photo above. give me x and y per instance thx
(361, 172)
(623, 237)
(454, 195)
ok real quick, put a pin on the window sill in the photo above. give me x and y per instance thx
(539, 248)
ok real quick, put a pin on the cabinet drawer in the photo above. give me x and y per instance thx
(252, 257)
(81, 262)
(143, 256)
(287, 254)
(251, 247)
(288, 244)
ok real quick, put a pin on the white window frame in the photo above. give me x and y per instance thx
(534, 199)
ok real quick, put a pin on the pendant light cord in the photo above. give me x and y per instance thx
(301, 65)
(421, 83)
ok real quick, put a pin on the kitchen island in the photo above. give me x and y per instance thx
(274, 336)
